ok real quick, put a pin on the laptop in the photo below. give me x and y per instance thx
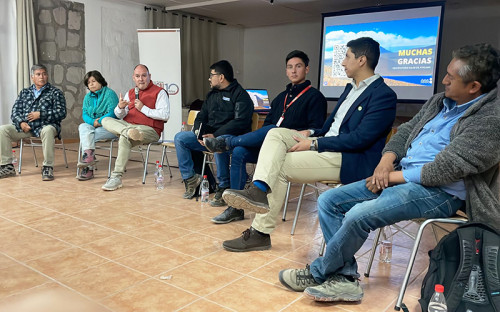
(260, 99)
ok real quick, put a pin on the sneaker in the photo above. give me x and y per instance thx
(86, 174)
(216, 145)
(336, 288)
(7, 171)
(88, 159)
(191, 186)
(135, 134)
(297, 279)
(218, 201)
(113, 183)
(253, 199)
(250, 240)
(229, 215)
(47, 173)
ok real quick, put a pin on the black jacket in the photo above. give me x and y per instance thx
(226, 111)
(307, 112)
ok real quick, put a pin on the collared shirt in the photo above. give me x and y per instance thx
(160, 112)
(347, 103)
(434, 137)
(37, 92)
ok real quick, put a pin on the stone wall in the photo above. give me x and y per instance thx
(60, 31)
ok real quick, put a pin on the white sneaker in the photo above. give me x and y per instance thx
(112, 184)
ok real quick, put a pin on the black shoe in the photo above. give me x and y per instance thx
(217, 201)
(253, 199)
(47, 173)
(250, 240)
(229, 215)
(7, 171)
(216, 145)
(191, 185)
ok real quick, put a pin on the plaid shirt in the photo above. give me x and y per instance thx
(51, 104)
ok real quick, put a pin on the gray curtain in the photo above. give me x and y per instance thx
(198, 49)
(26, 42)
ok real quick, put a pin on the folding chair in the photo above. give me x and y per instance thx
(38, 143)
(110, 149)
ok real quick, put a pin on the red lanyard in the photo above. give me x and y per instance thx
(285, 107)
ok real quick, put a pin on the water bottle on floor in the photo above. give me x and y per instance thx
(385, 244)
(157, 166)
(14, 158)
(160, 179)
(438, 301)
(205, 189)
(183, 127)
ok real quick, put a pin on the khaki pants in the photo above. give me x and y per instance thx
(120, 128)
(276, 167)
(9, 134)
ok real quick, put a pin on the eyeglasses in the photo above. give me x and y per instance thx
(211, 75)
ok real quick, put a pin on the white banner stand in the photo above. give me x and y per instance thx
(160, 51)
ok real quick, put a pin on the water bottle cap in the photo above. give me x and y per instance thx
(157, 161)
(439, 288)
(159, 166)
(183, 122)
(204, 176)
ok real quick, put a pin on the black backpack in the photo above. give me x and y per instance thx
(467, 263)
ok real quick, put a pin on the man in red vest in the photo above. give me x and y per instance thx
(142, 113)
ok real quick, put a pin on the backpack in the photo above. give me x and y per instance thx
(467, 263)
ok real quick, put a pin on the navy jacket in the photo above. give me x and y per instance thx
(363, 131)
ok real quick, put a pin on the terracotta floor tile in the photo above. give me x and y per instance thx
(155, 260)
(6, 262)
(200, 277)
(125, 222)
(240, 261)
(305, 304)
(159, 233)
(162, 214)
(26, 213)
(195, 244)
(191, 222)
(150, 296)
(248, 294)
(117, 246)
(203, 305)
(66, 262)
(270, 272)
(56, 222)
(104, 280)
(17, 278)
(85, 233)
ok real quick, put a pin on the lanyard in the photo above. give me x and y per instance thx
(285, 107)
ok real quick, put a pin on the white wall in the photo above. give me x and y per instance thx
(230, 47)
(267, 47)
(111, 40)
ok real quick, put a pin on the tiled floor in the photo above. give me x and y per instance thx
(68, 246)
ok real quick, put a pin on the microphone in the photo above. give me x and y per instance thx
(136, 93)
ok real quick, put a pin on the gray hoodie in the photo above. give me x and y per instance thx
(473, 154)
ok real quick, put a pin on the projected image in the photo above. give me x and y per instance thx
(407, 50)
(259, 97)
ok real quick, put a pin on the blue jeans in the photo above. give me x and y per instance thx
(245, 149)
(347, 215)
(89, 135)
(185, 142)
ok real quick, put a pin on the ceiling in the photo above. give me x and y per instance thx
(256, 13)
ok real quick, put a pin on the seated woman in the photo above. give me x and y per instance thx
(97, 104)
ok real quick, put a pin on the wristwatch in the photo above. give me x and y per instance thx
(314, 145)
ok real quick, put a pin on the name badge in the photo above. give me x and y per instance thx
(226, 99)
(280, 121)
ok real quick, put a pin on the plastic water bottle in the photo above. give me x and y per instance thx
(156, 168)
(160, 179)
(205, 189)
(386, 245)
(438, 301)
(14, 158)
(183, 127)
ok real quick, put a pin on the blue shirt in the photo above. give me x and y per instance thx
(36, 92)
(434, 137)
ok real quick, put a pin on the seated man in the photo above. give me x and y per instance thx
(38, 111)
(227, 110)
(447, 154)
(140, 121)
(346, 149)
(299, 107)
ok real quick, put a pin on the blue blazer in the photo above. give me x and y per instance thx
(363, 131)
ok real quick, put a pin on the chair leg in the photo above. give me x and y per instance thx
(322, 248)
(110, 158)
(64, 153)
(372, 252)
(20, 156)
(298, 208)
(146, 164)
(34, 153)
(286, 200)
(79, 157)
(165, 157)
(202, 173)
